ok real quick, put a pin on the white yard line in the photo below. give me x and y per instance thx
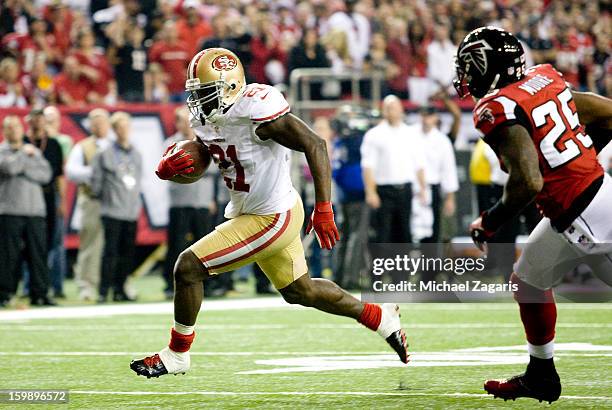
(73, 312)
(308, 393)
(137, 309)
(193, 353)
(270, 326)
(576, 349)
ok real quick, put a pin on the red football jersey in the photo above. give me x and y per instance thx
(543, 104)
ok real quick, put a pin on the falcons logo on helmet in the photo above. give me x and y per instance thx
(475, 53)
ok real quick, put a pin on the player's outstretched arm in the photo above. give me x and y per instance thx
(595, 112)
(294, 134)
(516, 149)
(593, 109)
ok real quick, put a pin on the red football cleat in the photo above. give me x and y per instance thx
(542, 388)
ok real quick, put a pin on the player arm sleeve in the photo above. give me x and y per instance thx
(490, 115)
(268, 105)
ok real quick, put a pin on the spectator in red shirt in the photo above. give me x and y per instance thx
(265, 48)
(173, 56)
(60, 19)
(192, 28)
(417, 36)
(567, 57)
(398, 49)
(93, 64)
(71, 87)
(38, 41)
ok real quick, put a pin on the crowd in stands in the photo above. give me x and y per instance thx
(79, 52)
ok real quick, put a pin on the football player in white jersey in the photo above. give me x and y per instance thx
(249, 132)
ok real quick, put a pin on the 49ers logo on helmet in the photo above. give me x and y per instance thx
(224, 62)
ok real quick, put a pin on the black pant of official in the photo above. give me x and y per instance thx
(51, 206)
(392, 219)
(118, 255)
(431, 248)
(31, 233)
(185, 226)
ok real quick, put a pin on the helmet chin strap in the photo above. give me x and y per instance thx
(494, 83)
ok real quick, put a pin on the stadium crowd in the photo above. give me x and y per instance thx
(95, 51)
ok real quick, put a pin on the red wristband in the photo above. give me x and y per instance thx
(323, 207)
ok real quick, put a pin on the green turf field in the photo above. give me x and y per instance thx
(334, 362)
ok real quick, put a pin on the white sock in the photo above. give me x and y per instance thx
(175, 361)
(546, 351)
(182, 329)
(389, 320)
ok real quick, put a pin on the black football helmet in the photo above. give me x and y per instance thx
(488, 58)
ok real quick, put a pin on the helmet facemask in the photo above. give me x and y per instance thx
(461, 81)
(206, 100)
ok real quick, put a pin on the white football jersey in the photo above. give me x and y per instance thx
(256, 172)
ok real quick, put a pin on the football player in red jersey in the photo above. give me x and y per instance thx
(538, 128)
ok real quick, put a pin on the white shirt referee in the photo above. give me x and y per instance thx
(392, 160)
(440, 169)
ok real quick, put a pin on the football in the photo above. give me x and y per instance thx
(201, 159)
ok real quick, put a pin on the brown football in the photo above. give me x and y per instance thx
(200, 155)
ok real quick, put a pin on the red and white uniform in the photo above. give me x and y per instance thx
(568, 160)
(256, 172)
(576, 196)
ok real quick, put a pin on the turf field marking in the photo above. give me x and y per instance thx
(242, 353)
(351, 362)
(574, 347)
(63, 312)
(270, 326)
(307, 393)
